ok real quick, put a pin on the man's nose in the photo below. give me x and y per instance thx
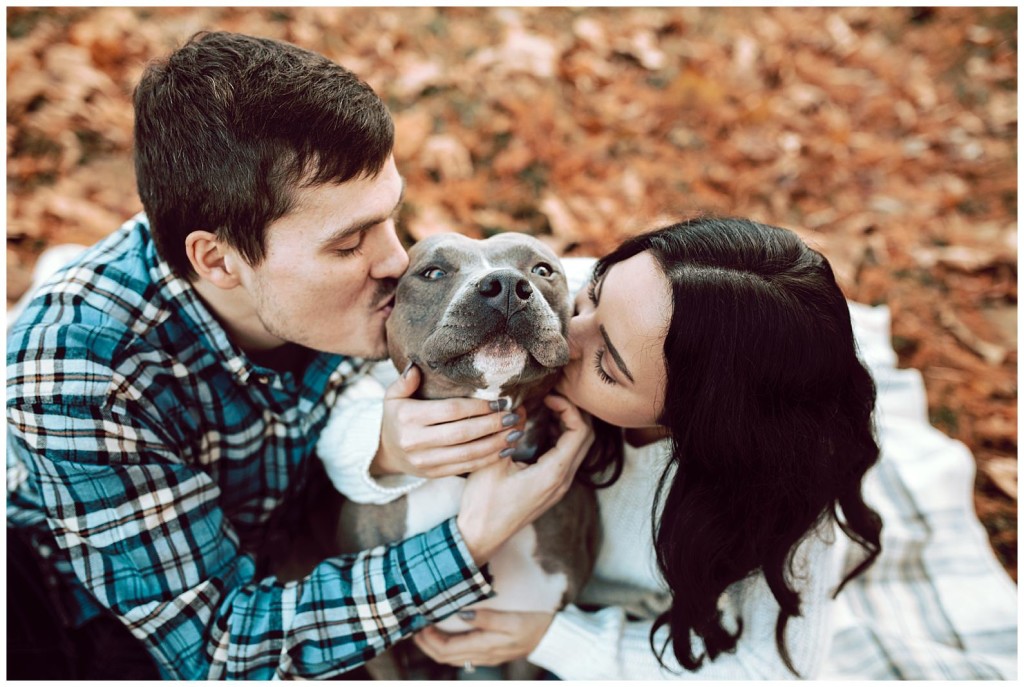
(393, 260)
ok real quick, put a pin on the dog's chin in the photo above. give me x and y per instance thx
(501, 358)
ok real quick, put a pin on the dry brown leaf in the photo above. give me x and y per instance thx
(446, 155)
(428, 221)
(412, 127)
(893, 140)
(521, 51)
(963, 258)
(991, 353)
(563, 224)
(1003, 473)
(19, 276)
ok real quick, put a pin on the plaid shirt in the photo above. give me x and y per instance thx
(146, 454)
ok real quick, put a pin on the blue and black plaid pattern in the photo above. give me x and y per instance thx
(146, 453)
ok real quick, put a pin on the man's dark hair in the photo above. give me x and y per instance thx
(229, 126)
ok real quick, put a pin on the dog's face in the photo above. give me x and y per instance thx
(486, 318)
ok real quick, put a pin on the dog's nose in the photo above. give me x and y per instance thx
(503, 288)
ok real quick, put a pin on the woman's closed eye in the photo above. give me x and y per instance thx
(592, 291)
(602, 375)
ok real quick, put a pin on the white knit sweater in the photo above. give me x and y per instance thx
(606, 645)
(612, 643)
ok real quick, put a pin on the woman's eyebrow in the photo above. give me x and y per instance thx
(615, 354)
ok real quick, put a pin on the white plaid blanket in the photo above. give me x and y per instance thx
(936, 605)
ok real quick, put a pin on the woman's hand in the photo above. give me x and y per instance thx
(497, 637)
(440, 438)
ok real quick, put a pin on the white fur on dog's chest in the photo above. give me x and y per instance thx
(518, 579)
(497, 371)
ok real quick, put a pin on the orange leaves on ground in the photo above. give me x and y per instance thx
(885, 136)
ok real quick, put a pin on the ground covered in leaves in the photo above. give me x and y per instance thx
(887, 137)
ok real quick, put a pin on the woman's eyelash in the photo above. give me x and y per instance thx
(604, 376)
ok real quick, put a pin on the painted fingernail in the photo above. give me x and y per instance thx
(506, 452)
(499, 404)
(509, 420)
(467, 615)
(514, 436)
(405, 372)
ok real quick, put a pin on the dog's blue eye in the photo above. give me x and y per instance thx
(542, 269)
(433, 273)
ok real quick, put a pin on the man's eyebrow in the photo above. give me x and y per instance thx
(363, 225)
(615, 354)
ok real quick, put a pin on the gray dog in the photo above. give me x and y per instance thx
(485, 319)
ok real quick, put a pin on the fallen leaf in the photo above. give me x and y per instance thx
(991, 353)
(1003, 473)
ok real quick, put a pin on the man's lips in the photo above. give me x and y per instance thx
(388, 305)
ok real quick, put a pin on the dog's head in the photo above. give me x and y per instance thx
(486, 318)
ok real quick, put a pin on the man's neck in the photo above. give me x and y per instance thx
(234, 311)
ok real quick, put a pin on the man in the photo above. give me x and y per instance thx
(166, 390)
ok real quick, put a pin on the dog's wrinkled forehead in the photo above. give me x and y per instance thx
(457, 252)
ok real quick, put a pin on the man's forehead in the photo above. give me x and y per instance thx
(352, 201)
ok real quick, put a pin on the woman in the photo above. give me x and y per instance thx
(735, 339)
(719, 354)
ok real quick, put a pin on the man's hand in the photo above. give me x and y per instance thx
(497, 637)
(440, 438)
(502, 498)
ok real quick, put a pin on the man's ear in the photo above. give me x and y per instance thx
(212, 259)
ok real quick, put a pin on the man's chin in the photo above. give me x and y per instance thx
(373, 352)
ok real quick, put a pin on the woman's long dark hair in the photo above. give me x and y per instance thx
(769, 411)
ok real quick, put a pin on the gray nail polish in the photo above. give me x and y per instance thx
(408, 367)
(509, 420)
(506, 452)
(514, 436)
(498, 405)
(467, 615)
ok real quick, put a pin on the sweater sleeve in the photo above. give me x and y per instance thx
(351, 438)
(607, 645)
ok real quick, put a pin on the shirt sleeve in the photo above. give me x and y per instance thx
(350, 440)
(608, 645)
(146, 536)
